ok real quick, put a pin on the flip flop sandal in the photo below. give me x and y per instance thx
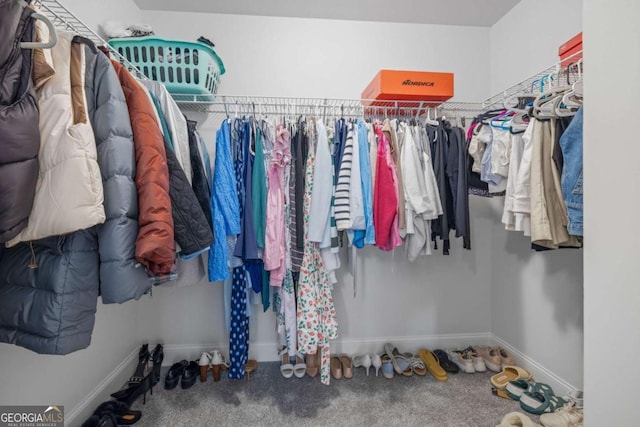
(433, 366)
(509, 373)
(446, 363)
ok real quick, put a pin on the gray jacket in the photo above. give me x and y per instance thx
(19, 133)
(121, 279)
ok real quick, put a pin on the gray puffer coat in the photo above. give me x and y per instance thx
(121, 277)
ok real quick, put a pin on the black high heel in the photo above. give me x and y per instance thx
(138, 384)
(157, 356)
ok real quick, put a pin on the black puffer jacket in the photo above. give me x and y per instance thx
(191, 229)
(19, 133)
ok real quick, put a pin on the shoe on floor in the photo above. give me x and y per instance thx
(491, 357)
(567, 416)
(507, 359)
(478, 362)
(387, 366)
(517, 419)
(463, 360)
(432, 363)
(445, 362)
(510, 373)
(516, 388)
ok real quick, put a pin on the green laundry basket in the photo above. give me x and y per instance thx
(190, 69)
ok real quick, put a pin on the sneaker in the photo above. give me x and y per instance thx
(478, 362)
(507, 359)
(491, 357)
(567, 416)
(462, 359)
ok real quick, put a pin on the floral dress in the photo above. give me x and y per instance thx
(316, 313)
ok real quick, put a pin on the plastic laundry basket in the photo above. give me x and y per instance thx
(187, 68)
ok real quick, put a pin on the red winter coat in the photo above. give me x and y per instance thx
(155, 247)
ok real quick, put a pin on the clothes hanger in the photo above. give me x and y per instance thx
(430, 121)
(53, 37)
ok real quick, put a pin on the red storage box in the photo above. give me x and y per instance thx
(571, 51)
(409, 86)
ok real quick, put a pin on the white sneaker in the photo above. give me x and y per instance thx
(462, 359)
(567, 416)
(478, 362)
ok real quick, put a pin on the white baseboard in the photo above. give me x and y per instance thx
(541, 374)
(267, 352)
(101, 392)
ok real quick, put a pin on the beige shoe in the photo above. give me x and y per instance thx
(567, 416)
(507, 359)
(517, 419)
(491, 357)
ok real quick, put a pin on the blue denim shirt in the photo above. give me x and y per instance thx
(368, 236)
(225, 209)
(571, 180)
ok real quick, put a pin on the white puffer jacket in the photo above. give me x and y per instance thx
(69, 195)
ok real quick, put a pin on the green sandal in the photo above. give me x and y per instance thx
(540, 399)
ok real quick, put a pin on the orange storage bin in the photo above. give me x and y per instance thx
(571, 51)
(409, 86)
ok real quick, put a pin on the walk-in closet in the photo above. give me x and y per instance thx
(350, 213)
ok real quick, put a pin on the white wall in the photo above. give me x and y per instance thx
(526, 40)
(612, 202)
(536, 297)
(334, 59)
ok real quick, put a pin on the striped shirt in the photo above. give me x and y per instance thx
(342, 210)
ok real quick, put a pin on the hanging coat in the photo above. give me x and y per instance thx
(155, 242)
(19, 138)
(121, 277)
(69, 193)
(49, 287)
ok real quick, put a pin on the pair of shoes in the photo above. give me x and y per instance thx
(446, 362)
(367, 361)
(567, 416)
(433, 364)
(540, 399)
(142, 381)
(510, 373)
(214, 361)
(184, 372)
(113, 413)
(517, 419)
(288, 369)
(341, 366)
(400, 362)
(495, 358)
(467, 360)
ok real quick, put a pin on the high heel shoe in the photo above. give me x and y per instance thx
(217, 363)
(139, 383)
(286, 367)
(362, 361)
(376, 362)
(205, 365)
(157, 356)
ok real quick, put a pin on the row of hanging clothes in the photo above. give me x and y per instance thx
(531, 151)
(105, 186)
(291, 191)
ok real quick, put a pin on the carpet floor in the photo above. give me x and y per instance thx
(269, 399)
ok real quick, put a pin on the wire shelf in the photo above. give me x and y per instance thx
(64, 20)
